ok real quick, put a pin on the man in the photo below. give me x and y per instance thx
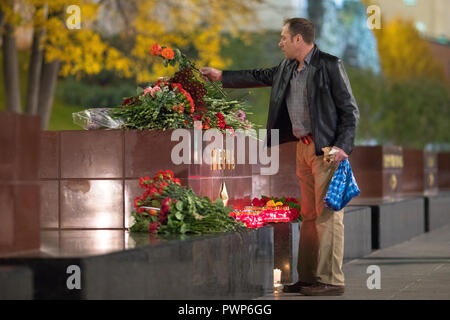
(311, 102)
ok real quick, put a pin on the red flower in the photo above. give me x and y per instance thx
(155, 50)
(128, 101)
(258, 202)
(161, 83)
(177, 85)
(140, 210)
(138, 202)
(168, 53)
(153, 227)
(294, 214)
(186, 94)
(162, 218)
(166, 201)
(221, 120)
(169, 173)
(143, 182)
(146, 194)
(159, 175)
(153, 192)
(165, 209)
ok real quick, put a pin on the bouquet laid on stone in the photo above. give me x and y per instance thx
(171, 103)
(168, 208)
(268, 210)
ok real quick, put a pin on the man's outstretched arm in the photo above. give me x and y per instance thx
(242, 78)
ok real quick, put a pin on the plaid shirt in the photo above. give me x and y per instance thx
(297, 99)
(342, 187)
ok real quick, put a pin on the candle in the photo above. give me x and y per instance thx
(276, 276)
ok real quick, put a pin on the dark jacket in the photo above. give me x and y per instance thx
(333, 110)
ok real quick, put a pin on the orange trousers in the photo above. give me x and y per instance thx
(321, 247)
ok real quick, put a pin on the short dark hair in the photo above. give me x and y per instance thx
(301, 26)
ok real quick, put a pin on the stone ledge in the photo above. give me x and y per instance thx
(16, 283)
(223, 266)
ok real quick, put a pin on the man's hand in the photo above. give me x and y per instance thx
(340, 156)
(211, 74)
(333, 155)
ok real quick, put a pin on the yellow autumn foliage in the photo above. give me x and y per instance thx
(404, 54)
(193, 25)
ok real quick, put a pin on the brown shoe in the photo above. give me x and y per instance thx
(323, 289)
(296, 287)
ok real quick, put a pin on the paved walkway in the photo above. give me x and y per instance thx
(415, 269)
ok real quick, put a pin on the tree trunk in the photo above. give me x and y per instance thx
(34, 74)
(11, 70)
(47, 86)
(2, 18)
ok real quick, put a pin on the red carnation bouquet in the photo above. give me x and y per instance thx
(166, 207)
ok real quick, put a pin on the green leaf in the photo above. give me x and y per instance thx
(179, 216)
(139, 91)
(228, 210)
(219, 202)
(177, 54)
(179, 205)
(183, 228)
(155, 203)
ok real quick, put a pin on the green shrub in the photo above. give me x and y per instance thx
(88, 95)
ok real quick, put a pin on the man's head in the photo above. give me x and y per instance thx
(297, 36)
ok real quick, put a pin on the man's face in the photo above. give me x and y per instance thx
(290, 46)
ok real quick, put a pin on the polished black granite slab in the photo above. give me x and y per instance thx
(16, 283)
(357, 232)
(437, 210)
(118, 265)
(394, 220)
(286, 241)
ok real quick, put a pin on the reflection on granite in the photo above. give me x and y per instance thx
(76, 243)
(91, 204)
(49, 204)
(286, 242)
(83, 243)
